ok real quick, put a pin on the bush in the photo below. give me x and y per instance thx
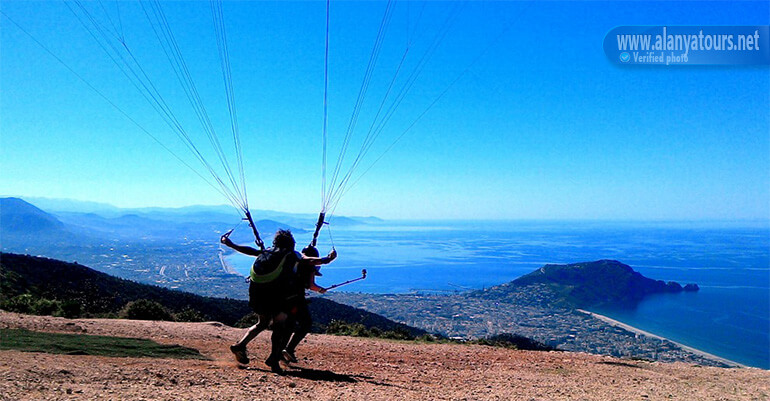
(341, 328)
(426, 338)
(248, 320)
(375, 332)
(30, 304)
(144, 309)
(189, 315)
(46, 307)
(71, 309)
(515, 341)
(398, 334)
(24, 303)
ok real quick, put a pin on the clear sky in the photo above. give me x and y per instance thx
(540, 124)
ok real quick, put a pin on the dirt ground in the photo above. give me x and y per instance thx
(345, 368)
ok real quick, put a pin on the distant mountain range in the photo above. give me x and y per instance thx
(77, 223)
(177, 248)
(195, 213)
(100, 294)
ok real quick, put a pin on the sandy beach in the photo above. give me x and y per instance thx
(635, 330)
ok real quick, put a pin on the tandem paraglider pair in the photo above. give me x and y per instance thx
(278, 280)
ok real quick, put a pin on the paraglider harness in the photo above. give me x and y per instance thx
(269, 279)
(271, 272)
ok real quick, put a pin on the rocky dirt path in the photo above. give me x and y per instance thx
(344, 368)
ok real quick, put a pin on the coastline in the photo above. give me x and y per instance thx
(635, 330)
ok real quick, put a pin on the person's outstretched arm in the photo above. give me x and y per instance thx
(315, 287)
(246, 250)
(316, 261)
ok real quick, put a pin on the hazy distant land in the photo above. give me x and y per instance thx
(175, 249)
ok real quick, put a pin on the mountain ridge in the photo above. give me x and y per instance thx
(59, 205)
(17, 215)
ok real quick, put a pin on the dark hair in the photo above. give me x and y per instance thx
(310, 251)
(283, 240)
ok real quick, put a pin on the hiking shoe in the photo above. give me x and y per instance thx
(275, 367)
(240, 354)
(288, 356)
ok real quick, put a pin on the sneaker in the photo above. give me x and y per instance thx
(288, 356)
(275, 367)
(240, 354)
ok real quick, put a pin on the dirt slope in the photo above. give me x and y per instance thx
(343, 368)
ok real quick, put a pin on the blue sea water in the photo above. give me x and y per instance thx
(728, 317)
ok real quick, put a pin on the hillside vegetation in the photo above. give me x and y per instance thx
(45, 286)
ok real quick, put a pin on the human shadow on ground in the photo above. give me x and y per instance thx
(326, 375)
(321, 375)
(625, 364)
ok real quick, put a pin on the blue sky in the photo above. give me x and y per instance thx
(540, 124)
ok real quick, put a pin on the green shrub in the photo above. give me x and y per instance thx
(342, 328)
(189, 315)
(71, 309)
(398, 334)
(515, 341)
(144, 309)
(427, 338)
(46, 307)
(375, 332)
(24, 303)
(30, 304)
(248, 320)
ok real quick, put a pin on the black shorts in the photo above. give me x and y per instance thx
(296, 303)
(267, 299)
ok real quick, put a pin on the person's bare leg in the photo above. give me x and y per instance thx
(239, 349)
(278, 339)
(253, 331)
(305, 322)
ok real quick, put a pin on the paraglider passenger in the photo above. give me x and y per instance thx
(304, 278)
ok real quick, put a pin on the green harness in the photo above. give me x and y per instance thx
(268, 277)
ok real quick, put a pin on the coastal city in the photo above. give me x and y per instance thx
(528, 313)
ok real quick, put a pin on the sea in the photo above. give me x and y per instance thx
(730, 261)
